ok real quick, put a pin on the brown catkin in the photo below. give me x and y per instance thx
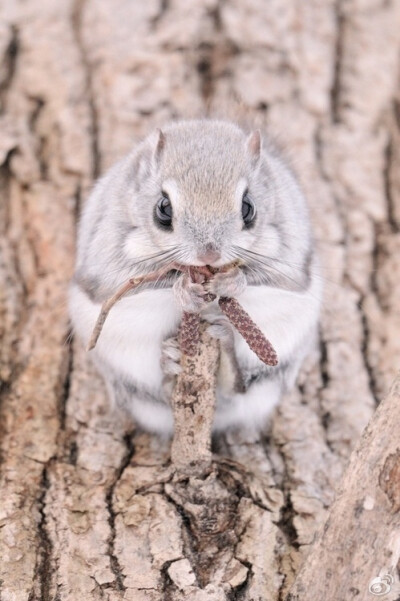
(189, 334)
(248, 329)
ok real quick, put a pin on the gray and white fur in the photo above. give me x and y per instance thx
(205, 168)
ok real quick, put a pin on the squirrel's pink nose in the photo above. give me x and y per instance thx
(209, 256)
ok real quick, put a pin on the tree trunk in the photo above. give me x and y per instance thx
(90, 508)
(361, 536)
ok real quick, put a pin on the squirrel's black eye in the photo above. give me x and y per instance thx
(163, 211)
(248, 209)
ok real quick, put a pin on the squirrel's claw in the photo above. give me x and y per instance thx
(170, 357)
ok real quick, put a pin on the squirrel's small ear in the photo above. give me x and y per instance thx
(160, 144)
(254, 145)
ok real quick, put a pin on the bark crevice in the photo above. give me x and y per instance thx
(78, 9)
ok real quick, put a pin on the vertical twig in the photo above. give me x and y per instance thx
(193, 404)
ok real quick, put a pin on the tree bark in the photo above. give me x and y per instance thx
(89, 506)
(365, 517)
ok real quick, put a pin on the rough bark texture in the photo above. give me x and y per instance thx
(363, 528)
(89, 508)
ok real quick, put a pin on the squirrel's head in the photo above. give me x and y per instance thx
(204, 192)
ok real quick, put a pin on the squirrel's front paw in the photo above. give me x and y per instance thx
(228, 283)
(170, 357)
(189, 295)
(221, 329)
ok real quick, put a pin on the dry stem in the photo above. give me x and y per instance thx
(193, 403)
(131, 284)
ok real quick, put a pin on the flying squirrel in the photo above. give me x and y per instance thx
(198, 193)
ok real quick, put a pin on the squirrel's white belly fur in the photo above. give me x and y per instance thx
(130, 347)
